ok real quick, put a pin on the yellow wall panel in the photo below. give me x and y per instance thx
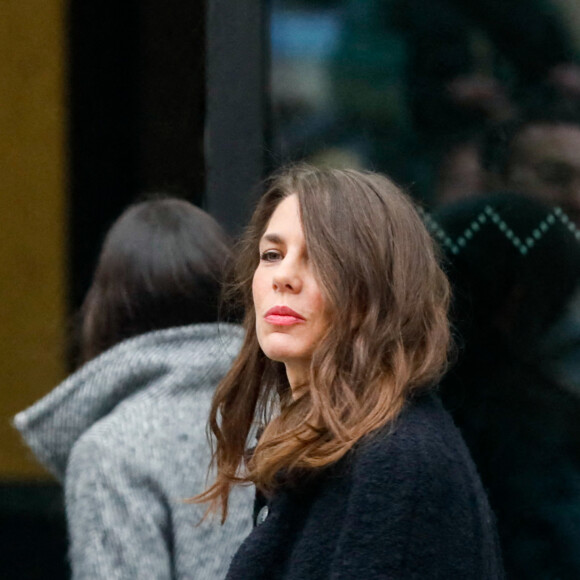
(32, 215)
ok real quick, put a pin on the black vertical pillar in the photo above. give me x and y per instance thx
(102, 104)
(136, 103)
(171, 90)
(236, 73)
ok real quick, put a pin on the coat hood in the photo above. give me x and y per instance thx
(160, 362)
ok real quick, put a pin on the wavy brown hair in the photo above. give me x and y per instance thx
(387, 298)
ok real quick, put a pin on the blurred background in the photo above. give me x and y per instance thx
(102, 102)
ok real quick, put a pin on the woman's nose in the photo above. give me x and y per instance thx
(287, 277)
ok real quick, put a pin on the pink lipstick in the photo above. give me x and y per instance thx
(283, 316)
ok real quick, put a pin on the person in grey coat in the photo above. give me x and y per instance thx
(126, 432)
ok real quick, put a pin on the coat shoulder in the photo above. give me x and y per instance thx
(423, 439)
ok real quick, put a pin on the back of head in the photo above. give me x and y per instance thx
(161, 265)
(513, 262)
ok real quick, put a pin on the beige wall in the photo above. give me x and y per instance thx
(32, 215)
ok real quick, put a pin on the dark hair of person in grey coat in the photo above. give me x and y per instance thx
(161, 265)
(126, 433)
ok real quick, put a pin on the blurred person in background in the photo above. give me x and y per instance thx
(471, 63)
(416, 83)
(537, 154)
(513, 265)
(126, 432)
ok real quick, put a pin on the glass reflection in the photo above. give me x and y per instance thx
(470, 105)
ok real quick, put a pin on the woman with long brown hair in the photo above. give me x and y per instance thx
(360, 471)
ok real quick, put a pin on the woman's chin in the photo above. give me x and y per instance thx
(283, 353)
(285, 348)
(278, 354)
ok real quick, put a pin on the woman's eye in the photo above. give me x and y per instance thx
(270, 256)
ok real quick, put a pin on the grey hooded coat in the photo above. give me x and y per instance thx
(126, 435)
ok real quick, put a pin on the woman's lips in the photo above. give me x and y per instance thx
(283, 316)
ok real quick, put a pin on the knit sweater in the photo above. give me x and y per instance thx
(126, 434)
(407, 503)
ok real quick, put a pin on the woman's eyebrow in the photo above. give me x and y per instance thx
(272, 238)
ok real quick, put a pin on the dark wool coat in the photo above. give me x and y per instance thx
(406, 503)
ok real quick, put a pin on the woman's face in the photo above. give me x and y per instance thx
(290, 310)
